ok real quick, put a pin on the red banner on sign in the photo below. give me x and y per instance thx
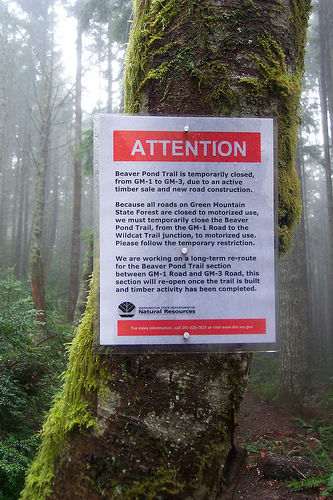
(193, 327)
(130, 145)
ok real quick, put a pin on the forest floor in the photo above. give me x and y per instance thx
(265, 428)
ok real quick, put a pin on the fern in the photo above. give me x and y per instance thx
(326, 479)
(329, 488)
(311, 482)
(315, 482)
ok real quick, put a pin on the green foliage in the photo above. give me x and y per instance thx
(114, 12)
(314, 482)
(15, 458)
(71, 410)
(324, 480)
(264, 378)
(318, 444)
(29, 368)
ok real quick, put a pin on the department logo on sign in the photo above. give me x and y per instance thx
(126, 310)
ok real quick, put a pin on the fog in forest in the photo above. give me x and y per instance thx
(60, 63)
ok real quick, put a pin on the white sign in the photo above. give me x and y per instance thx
(186, 232)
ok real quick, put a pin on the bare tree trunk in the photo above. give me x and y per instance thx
(19, 232)
(26, 245)
(5, 94)
(5, 83)
(84, 284)
(4, 218)
(110, 70)
(15, 206)
(162, 426)
(53, 215)
(295, 324)
(328, 20)
(36, 263)
(323, 82)
(76, 227)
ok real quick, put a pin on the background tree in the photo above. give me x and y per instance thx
(76, 222)
(106, 22)
(315, 137)
(22, 50)
(295, 320)
(166, 422)
(28, 381)
(326, 99)
(5, 76)
(36, 262)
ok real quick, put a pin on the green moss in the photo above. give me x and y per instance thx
(162, 483)
(150, 22)
(274, 80)
(203, 51)
(72, 410)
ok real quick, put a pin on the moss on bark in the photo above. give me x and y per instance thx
(137, 427)
(230, 58)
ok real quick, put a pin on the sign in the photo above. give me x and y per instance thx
(186, 225)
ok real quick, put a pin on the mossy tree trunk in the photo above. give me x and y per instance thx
(161, 426)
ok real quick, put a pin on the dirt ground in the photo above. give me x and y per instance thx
(264, 427)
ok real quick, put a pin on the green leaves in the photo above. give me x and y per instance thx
(29, 371)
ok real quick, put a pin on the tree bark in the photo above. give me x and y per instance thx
(53, 222)
(295, 321)
(19, 232)
(325, 72)
(110, 69)
(35, 257)
(4, 219)
(84, 284)
(25, 245)
(5, 79)
(162, 426)
(76, 224)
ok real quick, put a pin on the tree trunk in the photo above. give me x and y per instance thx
(35, 258)
(76, 224)
(294, 329)
(329, 71)
(25, 251)
(19, 232)
(110, 69)
(15, 206)
(52, 229)
(84, 284)
(6, 72)
(295, 323)
(162, 426)
(5, 79)
(4, 218)
(324, 79)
